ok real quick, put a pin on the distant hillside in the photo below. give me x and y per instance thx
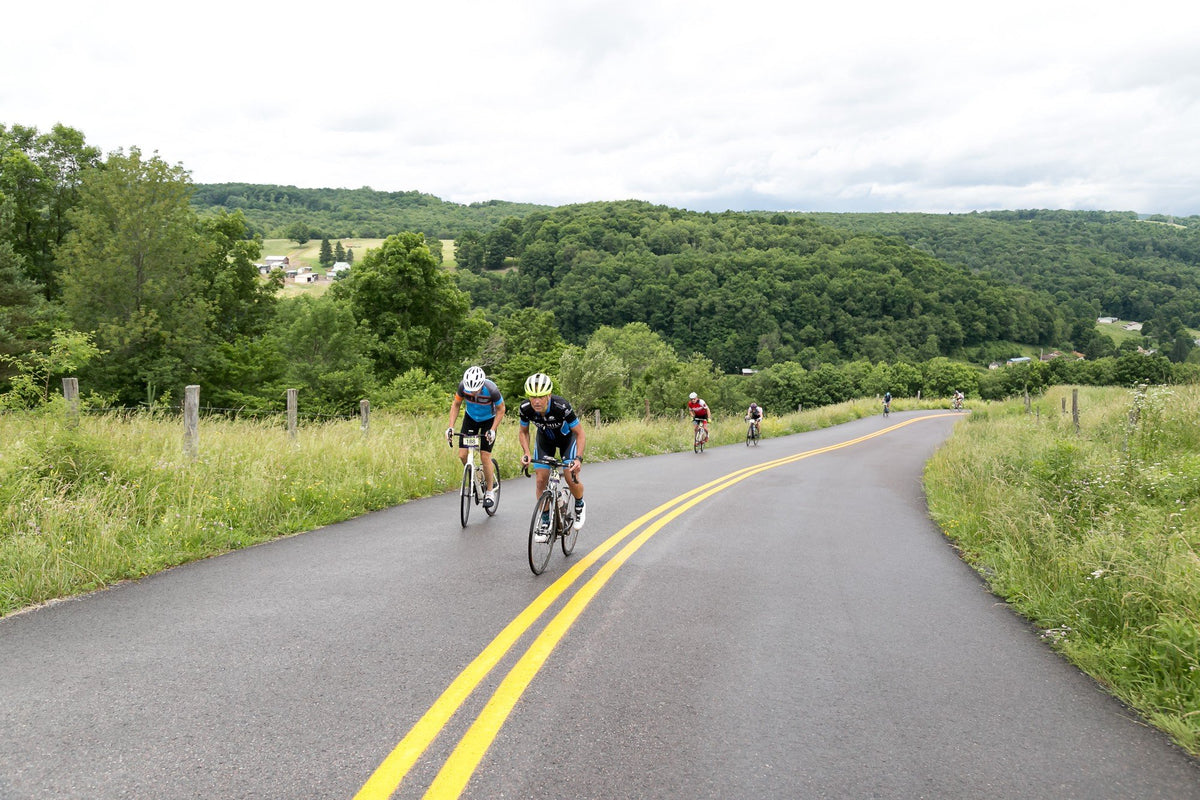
(1107, 263)
(274, 211)
(751, 290)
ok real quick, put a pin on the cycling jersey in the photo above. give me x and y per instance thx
(481, 405)
(699, 408)
(755, 414)
(555, 428)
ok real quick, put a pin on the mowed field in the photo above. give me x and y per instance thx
(309, 254)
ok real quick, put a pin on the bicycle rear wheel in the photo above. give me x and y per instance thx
(466, 495)
(539, 552)
(698, 440)
(570, 533)
(491, 512)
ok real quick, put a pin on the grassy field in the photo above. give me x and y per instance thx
(1092, 533)
(309, 255)
(1116, 331)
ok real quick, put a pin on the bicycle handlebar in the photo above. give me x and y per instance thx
(546, 461)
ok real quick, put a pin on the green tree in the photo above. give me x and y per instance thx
(468, 251)
(419, 318)
(326, 352)
(25, 315)
(299, 232)
(68, 352)
(339, 252)
(325, 259)
(132, 276)
(40, 174)
(589, 375)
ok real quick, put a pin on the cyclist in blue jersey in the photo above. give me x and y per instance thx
(558, 431)
(485, 409)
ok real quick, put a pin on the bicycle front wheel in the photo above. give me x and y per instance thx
(541, 537)
(466, 496)
(491, 512)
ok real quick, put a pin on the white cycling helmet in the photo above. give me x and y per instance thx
(538, 385)
(473, 379)
(692, 396)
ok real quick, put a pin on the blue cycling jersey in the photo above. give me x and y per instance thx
(481, 405)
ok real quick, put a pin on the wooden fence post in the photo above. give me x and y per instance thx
(191, 421)
(1074, 408)
(71, 395)
(364, 411)
(292, 411)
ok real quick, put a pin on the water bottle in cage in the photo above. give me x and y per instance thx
(563, 513)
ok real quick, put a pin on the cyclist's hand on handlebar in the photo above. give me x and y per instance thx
(525, 459)
(490, 436)
(450, 436)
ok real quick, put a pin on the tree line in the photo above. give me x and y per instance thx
(289, 212)
(112, 272)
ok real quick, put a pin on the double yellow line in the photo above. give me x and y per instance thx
(452, 779)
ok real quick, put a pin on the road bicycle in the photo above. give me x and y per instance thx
(700, 435)
(887, 407)
(553, 516)
(473, 487)
(752, 432)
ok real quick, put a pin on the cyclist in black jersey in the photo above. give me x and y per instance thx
(558, 431)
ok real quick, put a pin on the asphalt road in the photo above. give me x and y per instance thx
(796, 629)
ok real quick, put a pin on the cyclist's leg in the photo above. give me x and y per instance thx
(568, 454)
(485, 453)
(541, 473)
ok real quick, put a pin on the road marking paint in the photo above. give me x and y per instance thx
(452, 779)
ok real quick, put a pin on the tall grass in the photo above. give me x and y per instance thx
(1094, 535)
(115, 498)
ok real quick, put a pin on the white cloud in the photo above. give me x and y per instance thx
(763, 104)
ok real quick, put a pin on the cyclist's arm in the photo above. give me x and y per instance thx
(523, 440)
(455, 405)
(580, 441)
(499, 411)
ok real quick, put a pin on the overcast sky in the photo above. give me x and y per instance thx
(749, 105)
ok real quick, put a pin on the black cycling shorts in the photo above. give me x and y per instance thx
(471, 427)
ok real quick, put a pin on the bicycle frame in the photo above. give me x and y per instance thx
(557, 501)
(474, 480)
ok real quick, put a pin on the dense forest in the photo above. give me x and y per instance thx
(1145, 269)
(119, 270)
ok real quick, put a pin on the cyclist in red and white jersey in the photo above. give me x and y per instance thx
(699, 410)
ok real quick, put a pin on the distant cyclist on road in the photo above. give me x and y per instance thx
(755, 414)
(485, 409)
(699, 410)
(558, 431)
(887, 402)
